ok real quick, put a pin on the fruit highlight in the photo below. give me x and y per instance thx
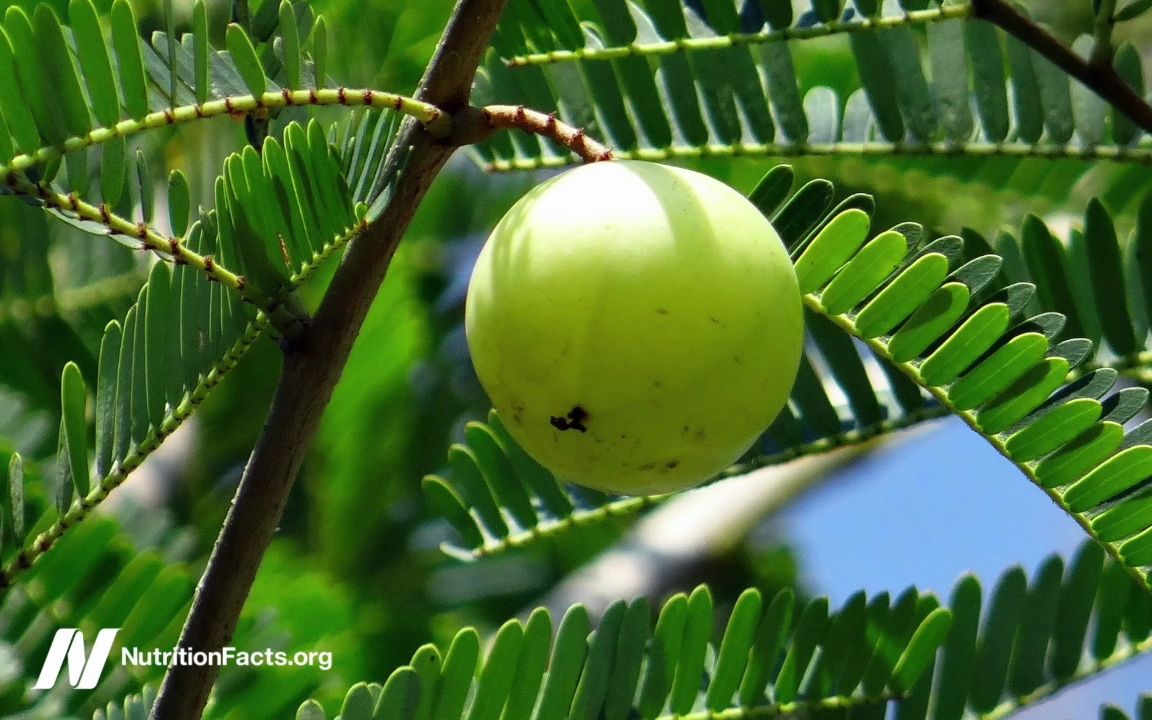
(637, 326)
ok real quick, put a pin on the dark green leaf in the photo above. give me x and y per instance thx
(129, 59)
(73, 399)
(94, 61)
(244, 55)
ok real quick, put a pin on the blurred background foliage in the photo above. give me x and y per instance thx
(356, 568)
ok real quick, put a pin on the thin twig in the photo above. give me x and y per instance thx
(1100, 79)
(772, 35)
(171, 248)
(312, 367)
(438, 123)
(284, 314)
(533, 121)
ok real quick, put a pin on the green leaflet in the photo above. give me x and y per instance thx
(663, 656)
(456, 676)
(831, 248)
(1119, 473)
(201, 48)
(932, 319)
(250, 228)
(399, 696)
(1054, 430)
(1128, 66)
(946, 44)
(1081, 455)
(17, 113)
(131, 63)
(770, 638)
(591, 691)
(106, 396)
(12, 503)
(1138, 550)
(629, 658)
(1023, 396)
(568, 654)
(73, 397)
(865, 272)
(159, 314)
(921, 650)
(995, 374)
(474, 489)
(113, 170)
(971, 340)
(1039, 619)
(61, 73)
(1105, 267)
(179, 202)
(450, 506)
(499, 474)
(1123, 519)
(93, 56)
(690, 665)
(533, 654)
(320, 51)
(358, 703)
(247, 63)
(35, 75)
(145, 186)
(497, 675)
(994, 647)
(290, 34)
(902, 296)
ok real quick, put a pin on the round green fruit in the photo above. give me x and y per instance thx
(637, 326)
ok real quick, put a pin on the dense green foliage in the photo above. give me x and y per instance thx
(972, 234)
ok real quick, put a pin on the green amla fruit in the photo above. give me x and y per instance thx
(637, 326)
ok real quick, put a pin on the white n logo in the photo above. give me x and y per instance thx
(83, 672)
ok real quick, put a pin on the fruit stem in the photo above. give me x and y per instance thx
(546, 124)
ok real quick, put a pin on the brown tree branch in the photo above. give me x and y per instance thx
(1101, 79)
(534, 121)
(313, 366)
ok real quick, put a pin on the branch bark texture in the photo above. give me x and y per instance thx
(313, 365)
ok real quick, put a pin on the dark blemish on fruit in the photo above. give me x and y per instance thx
(662, 311)
(647, 466)
(574, 420)
(672, 464)
(700, 435)
(657, 383)
(715, 320)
